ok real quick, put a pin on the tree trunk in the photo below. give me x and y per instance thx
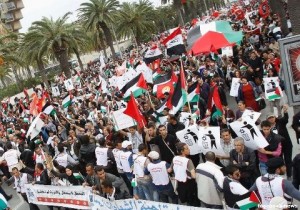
(294, 8)
(79, 59)
(18, 81)
(41, 68)
(108, 37)
(102, 43)
(28, 71)
(63, 59)
(277, 8)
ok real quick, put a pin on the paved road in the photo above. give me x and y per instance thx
(17, 202)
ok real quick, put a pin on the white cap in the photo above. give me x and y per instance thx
(153, 155)
(126, 143)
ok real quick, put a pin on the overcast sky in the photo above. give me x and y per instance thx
(35, 9)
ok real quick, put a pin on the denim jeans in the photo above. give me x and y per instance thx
(262, 168)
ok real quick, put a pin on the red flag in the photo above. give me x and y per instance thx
(133, 111)
(264, 9)
(26, 95)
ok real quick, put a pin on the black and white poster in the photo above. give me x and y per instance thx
(191, 138)
(210, 140)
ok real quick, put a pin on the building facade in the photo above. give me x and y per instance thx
(11, 14)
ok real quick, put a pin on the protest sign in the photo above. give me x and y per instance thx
(71, 197)
(185, 118)
(55, 91)
(209, 140)
(227, 51)
(252, 136)
(69, 84)
(190, 137)
(251, 115)
(122, 120)
(235, 84)
(272, 88)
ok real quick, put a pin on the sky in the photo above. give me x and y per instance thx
(35, 9)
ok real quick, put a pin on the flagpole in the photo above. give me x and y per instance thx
(181, 66)
(150, 98)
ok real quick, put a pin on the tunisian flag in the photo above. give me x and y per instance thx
(133, 111)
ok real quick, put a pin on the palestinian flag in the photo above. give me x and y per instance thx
(194, 92)
(67, 101)
(214, 103)
(174, 43)
(248, 203)
(179, 97)
(3, 202)
(137, 86)
(78, 176)
(49, 109)
(152, 54)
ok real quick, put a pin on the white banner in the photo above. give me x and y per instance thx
(122, 120)
(69, 84)
(190, 137)
(146, 71)
(252, 136)
(272, 88)
(235, 84)
(35, 127)
(72, 196)
(209, 140)
(251, 115)
(55, 91)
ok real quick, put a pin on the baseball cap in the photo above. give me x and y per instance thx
(126, 143)
(153, 155)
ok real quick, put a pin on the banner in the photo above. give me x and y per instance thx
(235, 84)
(122, 120)
(55, 91)
(79, 197)
(191, 138)
(71, 197)
(251, 115)
(252, 136)
(209, 140)
(272, 88)
(69, 84)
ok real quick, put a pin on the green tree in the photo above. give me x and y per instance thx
(100, 14)
(5, 74)
(135, 19)
(55, 38)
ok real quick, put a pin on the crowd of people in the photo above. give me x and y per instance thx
(149, 162)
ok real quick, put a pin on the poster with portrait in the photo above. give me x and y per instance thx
(69, 84)
(55, 91)
(272, 88)
(235, 85)
(209, 140)
(191, 138)
(251, 134)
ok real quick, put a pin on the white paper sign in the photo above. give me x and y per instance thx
(35, 127)
(55, 91)
(252, 136)
(185, 118)
(69, 84)
(190, 137)
(227, 51)
(146, 71)
(235, 84)
(251, 115)
(122, 120)
(272, 88)
(209, 140)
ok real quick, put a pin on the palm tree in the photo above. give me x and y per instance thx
(54, 38)
(100, 14)
(177, 4)
(8, 48)
(135, 19)
(5, 74)
(294, 8)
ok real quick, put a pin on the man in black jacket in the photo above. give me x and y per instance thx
(41, 175)
(296, 125)
(113, 193)
(278, 126)
(245, 160)
(173, 125)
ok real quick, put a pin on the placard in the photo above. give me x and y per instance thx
(69, 84)
(191, 138)
(122, 120)
(235, 85)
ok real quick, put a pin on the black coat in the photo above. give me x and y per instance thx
(44, 178)
(296, 125)
(281, 124)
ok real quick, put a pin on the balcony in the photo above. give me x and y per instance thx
(16, 26)
(18, 15)
(9, 17)
(19, 4)
(10, 6)
(9, 27)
